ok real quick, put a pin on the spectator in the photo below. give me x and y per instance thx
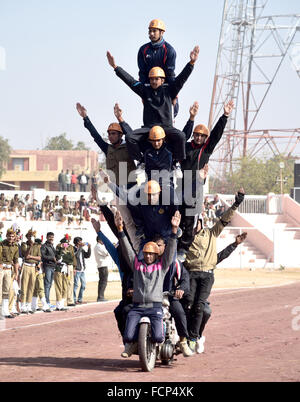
(49, 259)
(80, 255)
(83, 181)
(68, 180)
(73, 181)
(101, 255)
(62, 181)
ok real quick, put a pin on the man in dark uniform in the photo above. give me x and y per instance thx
(157, 99)
(198, 152)
(116, 150)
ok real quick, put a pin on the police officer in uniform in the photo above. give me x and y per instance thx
(31, 254)
(9, 254)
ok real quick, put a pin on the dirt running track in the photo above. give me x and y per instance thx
(253, 335)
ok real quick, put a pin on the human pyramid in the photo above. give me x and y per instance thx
(163, 244)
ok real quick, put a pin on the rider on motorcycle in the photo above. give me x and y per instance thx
(148, 279)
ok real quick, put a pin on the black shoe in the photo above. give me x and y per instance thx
(102, 299)
(9, 316)
(71, 304)
(47, 311)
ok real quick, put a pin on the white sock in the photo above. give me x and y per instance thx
(34, 303)
(5, 310)
(45, 304)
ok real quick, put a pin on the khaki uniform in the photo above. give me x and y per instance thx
(64, 281)
(9, 254)
(202, 254)
(28, 271)
(114, 156)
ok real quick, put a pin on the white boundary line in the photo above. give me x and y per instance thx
(231, 290)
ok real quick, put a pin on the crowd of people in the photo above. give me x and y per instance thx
(164, 243)
(28, 269)
(69, 180)
(57, 209)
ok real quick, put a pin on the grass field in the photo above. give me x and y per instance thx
(224, 278)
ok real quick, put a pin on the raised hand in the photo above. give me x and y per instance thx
(81, 110)
(111, 60)
(240, 238)
(175, 221)
(194, 54)
(203, 172)
(96, 225)
(104, 176)
(118, 112)
(194, 110)
(228, 108)
(118, 220)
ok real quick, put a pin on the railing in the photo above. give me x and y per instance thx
(256, 204)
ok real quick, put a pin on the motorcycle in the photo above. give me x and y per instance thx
(150, 352)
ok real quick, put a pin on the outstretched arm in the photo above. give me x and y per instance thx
(88, 125)
(188, 128)
(180, 80)
(127, 250)
(119, 115)
(225, 253)
(217, 131)
(170, 250)
(133, 84)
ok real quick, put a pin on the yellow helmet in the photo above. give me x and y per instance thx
(156, 72)
(159, 24)
(156, 133)
(115, 127)
(152, 187)
(151, 247)
(201, 129)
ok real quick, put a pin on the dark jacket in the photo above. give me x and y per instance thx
(49, 255)
(161, 159)
(158, 102)
(160, 54)
(198, 155)
(81, 255)
(177, 278)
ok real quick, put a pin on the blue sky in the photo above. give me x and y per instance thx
(56, 56)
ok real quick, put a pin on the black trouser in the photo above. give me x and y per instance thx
(205, 318)
(177, 311)
(103, 275)
(121, 312)
(137, 139)
(194, 303)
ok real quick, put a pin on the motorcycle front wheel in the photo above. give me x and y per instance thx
(147, 349)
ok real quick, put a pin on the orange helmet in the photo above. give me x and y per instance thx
(152, 187)
(151, 247)
(159, 24)
(201, 129)
(115, 127)
(156, 72)
(156, 133)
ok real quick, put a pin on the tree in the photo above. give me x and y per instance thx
(59, 142)
(81, 146)
(5, 151)
(256, 176)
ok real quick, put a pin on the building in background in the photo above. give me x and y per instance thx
(39, 169)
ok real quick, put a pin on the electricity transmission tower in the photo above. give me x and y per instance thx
(252, 48)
